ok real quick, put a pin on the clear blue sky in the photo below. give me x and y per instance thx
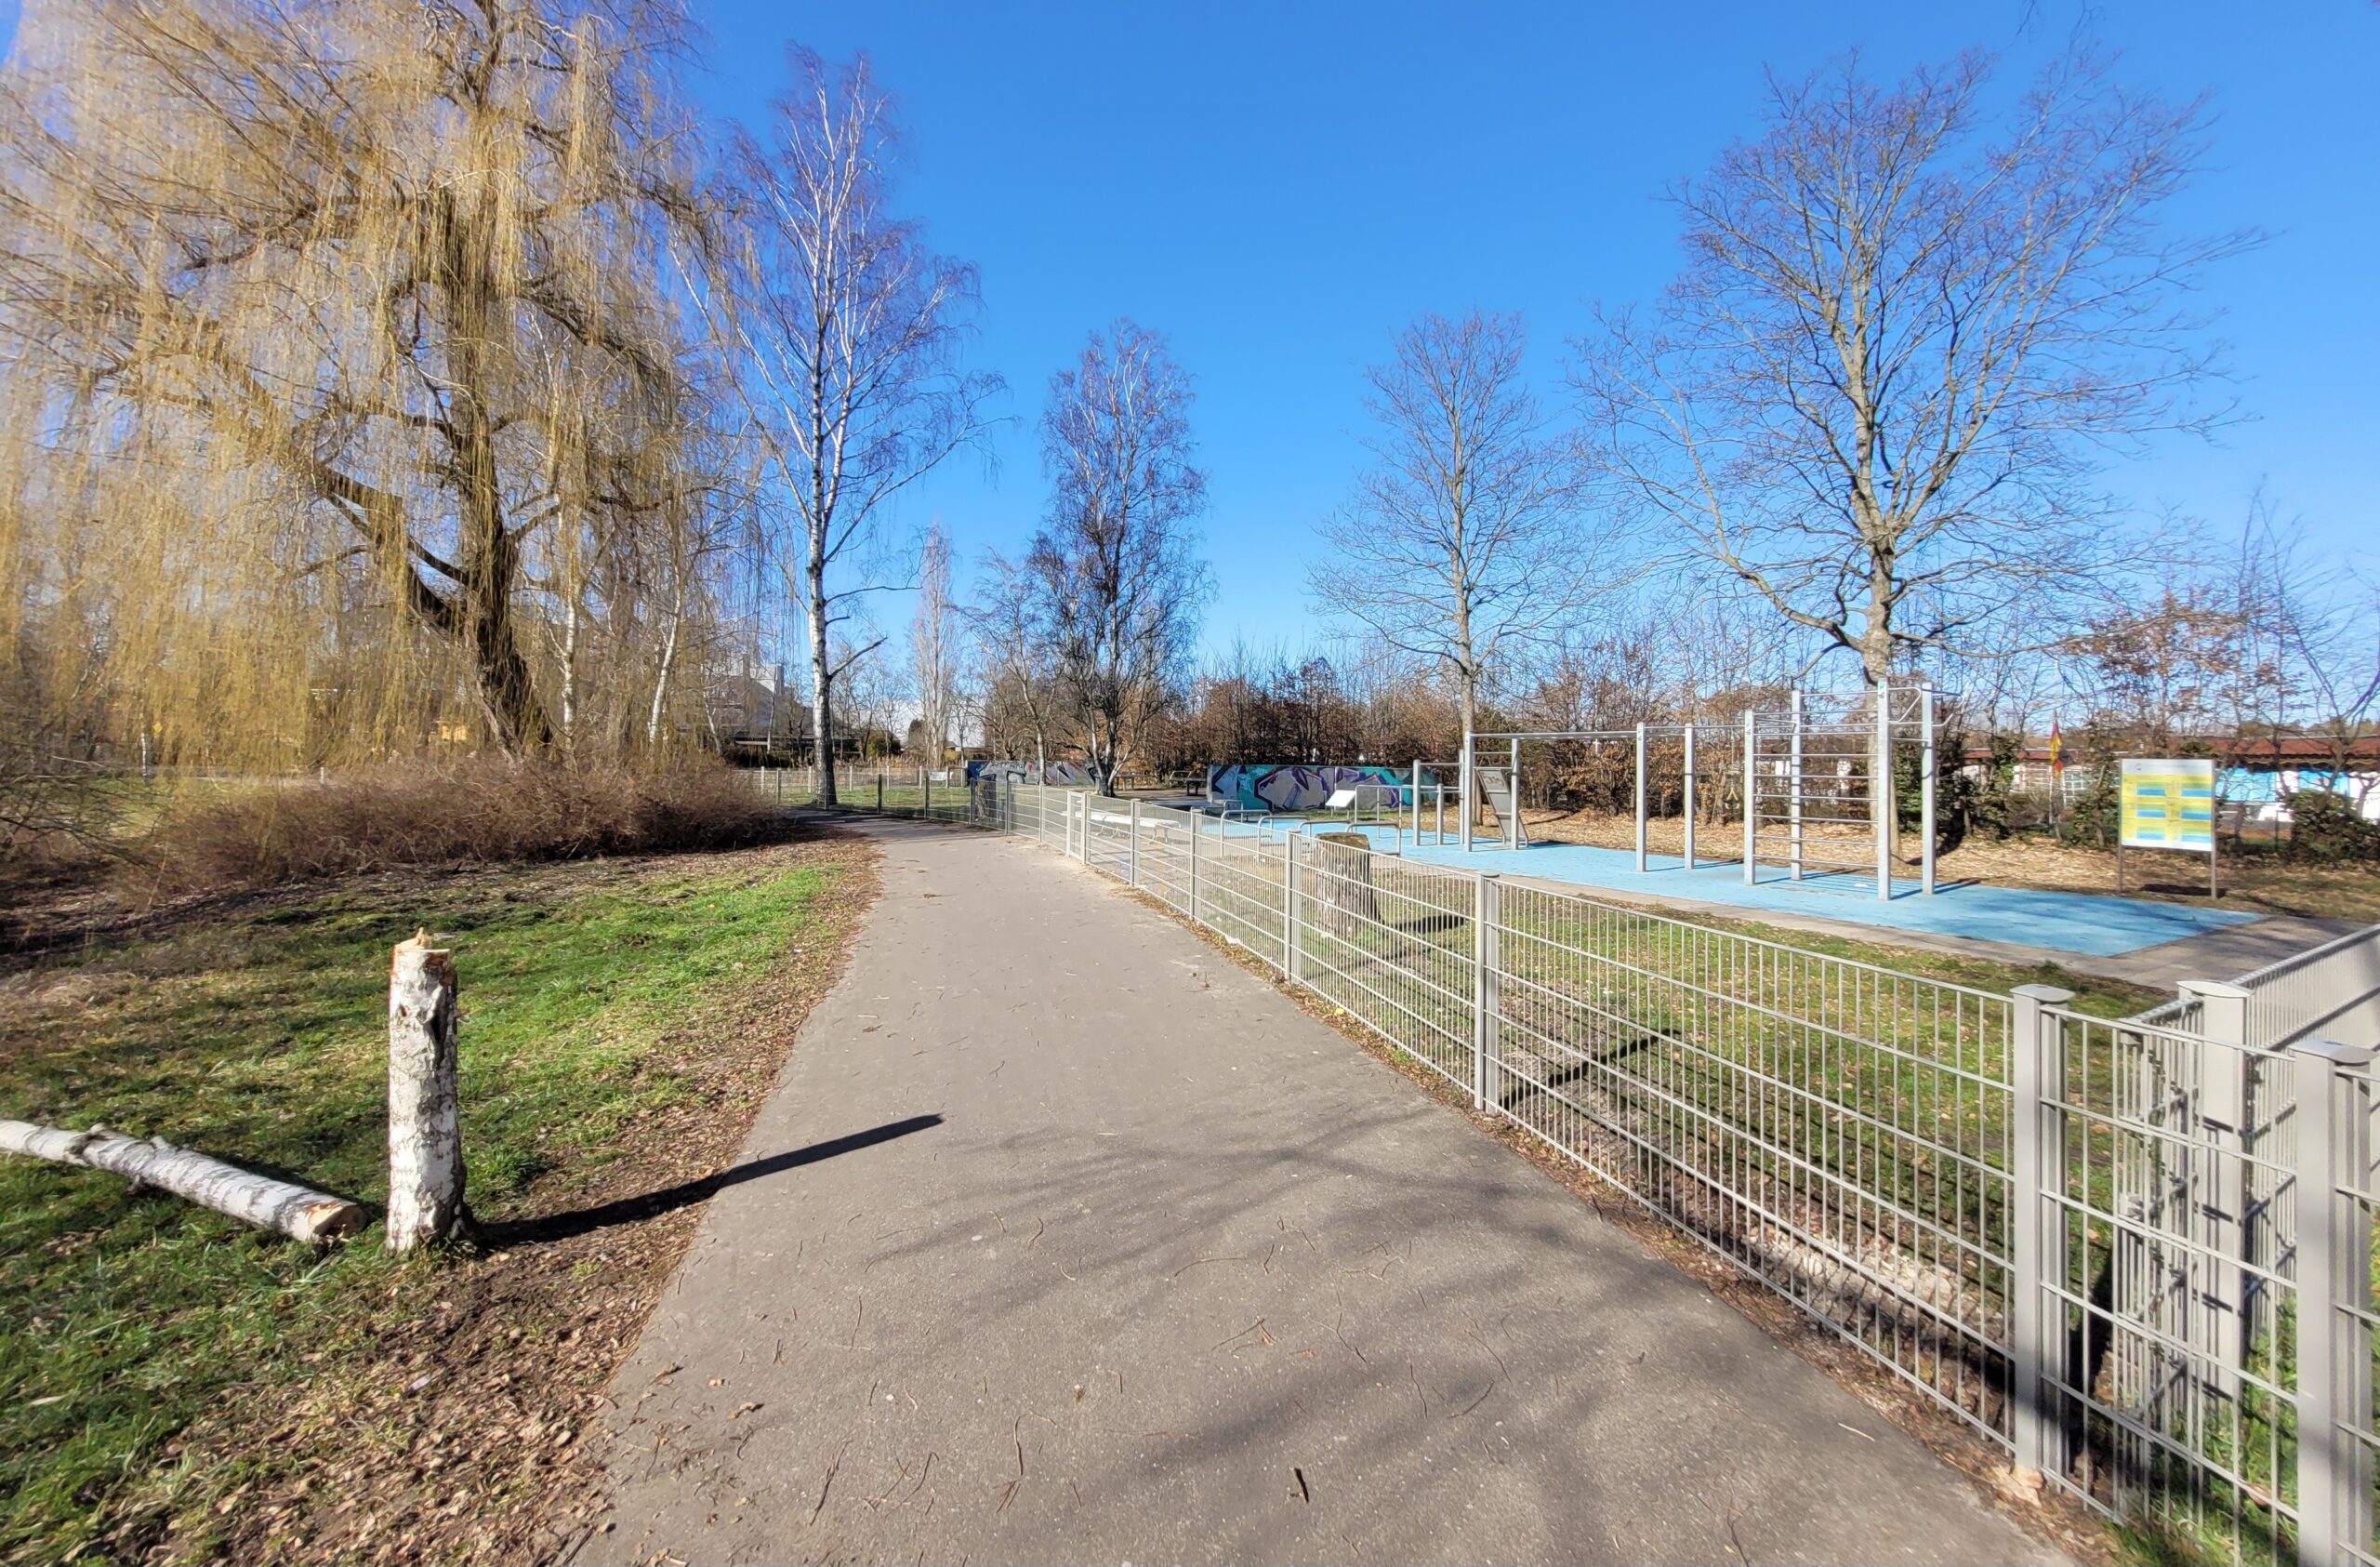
(1278, 187)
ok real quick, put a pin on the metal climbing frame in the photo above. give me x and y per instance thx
(1816, 770)
(1815, 765)
(1701, 757)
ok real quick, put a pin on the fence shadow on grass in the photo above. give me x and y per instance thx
(632, 1210)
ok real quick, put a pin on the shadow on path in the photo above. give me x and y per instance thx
(630, 1210)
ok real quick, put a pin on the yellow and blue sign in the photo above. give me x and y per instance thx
(2169, 803)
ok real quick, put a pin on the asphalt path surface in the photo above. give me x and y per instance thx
(1063, 1239)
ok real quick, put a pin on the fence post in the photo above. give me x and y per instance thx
(2221, 1203)
(880, 794)
(2334, 1495)
(1794, 783)
(1640, 799)
(2036, 1224)
(1289, 907)
(1417, 801)
(1468, 788)
(1752, 808)
(1195, 817)
(1133, 862)
(1926, 717)
(1487, 912)
(1883, 790)
(1512, 784)
(1690, 796)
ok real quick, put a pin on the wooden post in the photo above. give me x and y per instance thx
(425, 1113)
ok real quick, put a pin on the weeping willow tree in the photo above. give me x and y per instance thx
(344, 413)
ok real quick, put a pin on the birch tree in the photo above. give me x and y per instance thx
(847, 330)
(1904, 342)
(1463, 543)
(1116, 567)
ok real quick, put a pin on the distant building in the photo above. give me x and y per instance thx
(2259, 775)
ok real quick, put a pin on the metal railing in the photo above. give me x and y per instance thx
(2333, 988)
(2137, 1256)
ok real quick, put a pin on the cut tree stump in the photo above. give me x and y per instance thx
(425, 1113)
(1345, 901)
(295, 1211)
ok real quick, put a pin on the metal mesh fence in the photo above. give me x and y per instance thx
(2088, 1239)
(1838, 1129)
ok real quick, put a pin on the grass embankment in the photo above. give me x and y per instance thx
(173, 1384)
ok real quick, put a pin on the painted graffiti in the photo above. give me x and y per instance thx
(1065, 775)
(1294, 787)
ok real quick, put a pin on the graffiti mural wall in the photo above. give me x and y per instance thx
(1065, 775)
(1294, 787)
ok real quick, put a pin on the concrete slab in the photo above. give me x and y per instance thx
(1075, 1242)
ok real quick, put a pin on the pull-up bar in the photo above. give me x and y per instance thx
(1878, 730)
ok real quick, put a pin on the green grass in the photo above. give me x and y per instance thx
(262, 1040)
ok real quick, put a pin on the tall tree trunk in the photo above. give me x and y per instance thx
(570, 675)
(661, 681)
(822, 676)
(491, 557)
(1876, 666)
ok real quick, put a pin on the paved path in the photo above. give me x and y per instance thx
(1068, 1241)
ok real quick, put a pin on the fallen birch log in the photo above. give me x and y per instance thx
(295, 1211)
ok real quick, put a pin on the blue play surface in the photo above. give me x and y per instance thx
(2087, 924)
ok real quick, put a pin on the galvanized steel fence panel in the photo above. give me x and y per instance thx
(2137, 1256)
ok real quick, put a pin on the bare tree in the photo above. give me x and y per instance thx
(2161, 672)
(1463, 543)
(847, 330)
(1018, 661)
(1115, 570)
(2325, 617)
(933, 643)
(1877, 395)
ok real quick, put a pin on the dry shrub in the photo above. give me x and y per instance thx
(481, 811)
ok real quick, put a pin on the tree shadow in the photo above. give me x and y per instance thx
(633, 1210)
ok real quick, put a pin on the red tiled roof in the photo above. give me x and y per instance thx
(2288, 750)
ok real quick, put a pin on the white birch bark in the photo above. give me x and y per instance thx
(425, 1113)
(295, 1211)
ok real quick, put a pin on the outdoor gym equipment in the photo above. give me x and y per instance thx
(1820, 763)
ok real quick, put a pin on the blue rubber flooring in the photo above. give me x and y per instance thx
(2091, 925)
